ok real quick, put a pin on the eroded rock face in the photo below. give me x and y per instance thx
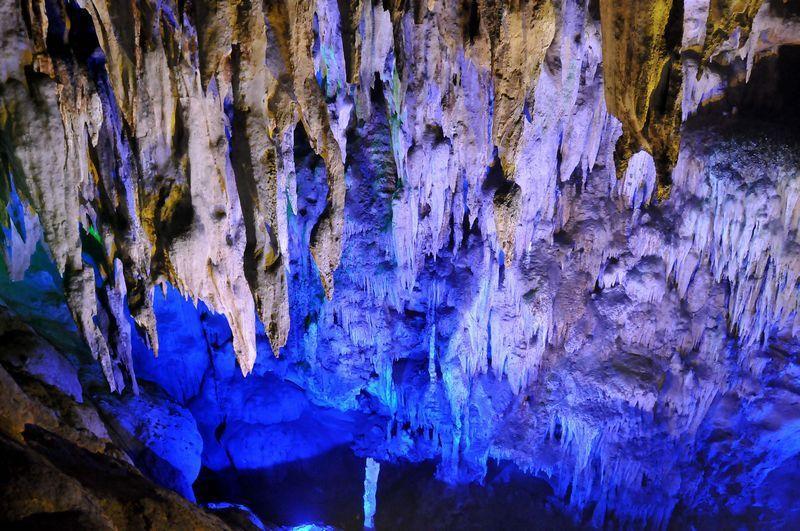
(560, 232)
(62, 465)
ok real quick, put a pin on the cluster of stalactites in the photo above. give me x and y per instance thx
(156, 146)
(163, 140)
(164, 152)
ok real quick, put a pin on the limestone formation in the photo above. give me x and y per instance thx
(562, 233)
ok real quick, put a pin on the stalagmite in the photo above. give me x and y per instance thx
(371, 470)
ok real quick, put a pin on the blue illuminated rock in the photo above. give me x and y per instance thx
(160, 437)
(557, 233)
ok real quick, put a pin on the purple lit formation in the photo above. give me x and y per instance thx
(427, 264)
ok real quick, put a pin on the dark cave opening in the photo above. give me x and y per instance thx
(771, 93)
(768, 97)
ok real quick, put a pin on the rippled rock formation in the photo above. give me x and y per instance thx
(557, 233)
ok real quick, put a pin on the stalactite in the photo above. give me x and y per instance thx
(420, 202)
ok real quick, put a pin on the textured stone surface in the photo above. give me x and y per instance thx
(558, 232)
(62, 466)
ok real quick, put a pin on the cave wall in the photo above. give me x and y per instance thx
(562, 233)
